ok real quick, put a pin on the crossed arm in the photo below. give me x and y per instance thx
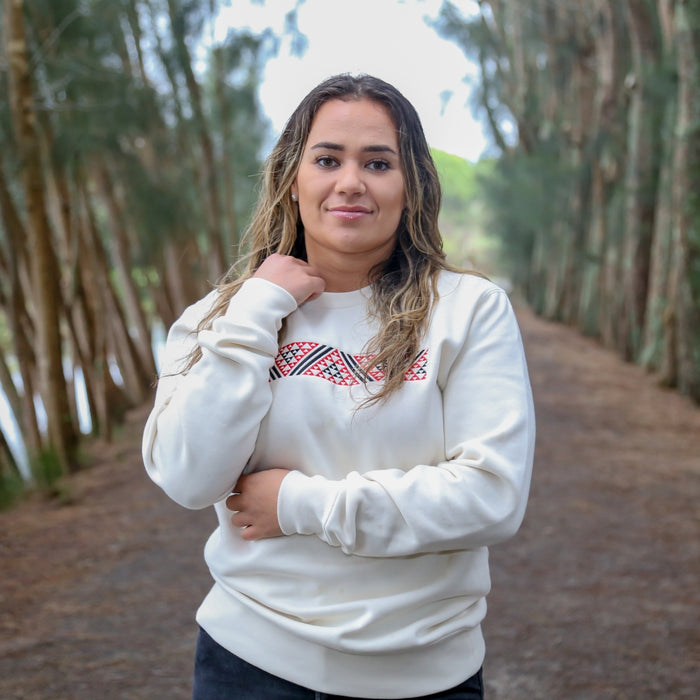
(254, 501)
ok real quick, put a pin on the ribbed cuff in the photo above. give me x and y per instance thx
(304, 502)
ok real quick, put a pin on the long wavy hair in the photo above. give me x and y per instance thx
(404, 287)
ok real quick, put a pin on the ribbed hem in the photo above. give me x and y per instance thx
(392, 675)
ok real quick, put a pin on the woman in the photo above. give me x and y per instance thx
(358, 414)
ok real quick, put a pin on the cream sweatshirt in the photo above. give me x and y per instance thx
(378, 587)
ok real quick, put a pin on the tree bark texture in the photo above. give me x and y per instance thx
(212, 211)
(686, 197)
(45, 269)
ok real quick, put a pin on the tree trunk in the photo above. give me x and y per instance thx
(19, 321)
(583, 85)
(183, 289)
(122, 259)
(230, 233)
(45, 277)
(658, 305)
(8, 464)
(91, 328)
(167, 309)
(10, 390)
(641, 177)
(658, 342)
(603, 164)
(132, 15)
(137, 379)
(686, 204)
(212, 210)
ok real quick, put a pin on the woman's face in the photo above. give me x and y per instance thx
(350, 185)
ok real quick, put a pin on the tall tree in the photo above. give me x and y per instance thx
(686, 184)
(641, 176)
(45, 269)
(136, 167)
(21, 326)
(178, 13)
(597, 199)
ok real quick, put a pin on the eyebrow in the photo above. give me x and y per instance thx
(328, 146)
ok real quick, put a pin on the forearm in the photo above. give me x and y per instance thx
(475, 495)
(197, 445)
(204, 423)
(462, 504)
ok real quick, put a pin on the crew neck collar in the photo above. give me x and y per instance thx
(338, 300)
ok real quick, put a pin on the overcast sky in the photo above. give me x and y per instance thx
(386, 38)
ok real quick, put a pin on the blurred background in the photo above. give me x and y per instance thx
(132, 132)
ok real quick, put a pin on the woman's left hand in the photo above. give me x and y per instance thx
(255, 501)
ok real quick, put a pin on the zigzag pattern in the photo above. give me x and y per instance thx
(326, 362)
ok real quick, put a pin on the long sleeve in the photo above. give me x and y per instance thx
(204, 423)
(475, 497)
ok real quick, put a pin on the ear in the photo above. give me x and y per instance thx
(294, 190)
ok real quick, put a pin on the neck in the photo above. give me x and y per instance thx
(338, 280)
(344, 272)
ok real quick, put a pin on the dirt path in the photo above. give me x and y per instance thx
(596, 598)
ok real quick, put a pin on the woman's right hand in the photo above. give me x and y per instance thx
(299, 278)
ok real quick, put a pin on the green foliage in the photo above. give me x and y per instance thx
(99, 108)
(457, 178)
(49, 478)
(525, 195)
(467, 241)
(693, 211)
(5, 334)
(239, 127)
(11, 488)
(47, 471)
(162, 206)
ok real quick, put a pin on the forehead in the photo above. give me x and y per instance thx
(347, 120)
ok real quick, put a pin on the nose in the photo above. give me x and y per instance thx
(350, 179)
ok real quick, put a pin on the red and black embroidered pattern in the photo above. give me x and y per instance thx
(334, 365)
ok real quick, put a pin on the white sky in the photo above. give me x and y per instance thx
(386, 38)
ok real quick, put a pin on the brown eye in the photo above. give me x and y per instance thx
(379, 165)
(326, 161)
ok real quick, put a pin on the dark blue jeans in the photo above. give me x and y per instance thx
(220, 675)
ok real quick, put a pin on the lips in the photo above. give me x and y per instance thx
(349, 213)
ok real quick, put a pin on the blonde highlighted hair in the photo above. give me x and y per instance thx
(404, 287)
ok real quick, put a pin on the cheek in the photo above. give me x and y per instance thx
(312, 188)
(305, 211)
(399, 195)
(398, 203)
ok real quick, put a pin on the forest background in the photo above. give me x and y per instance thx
(128, 170)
